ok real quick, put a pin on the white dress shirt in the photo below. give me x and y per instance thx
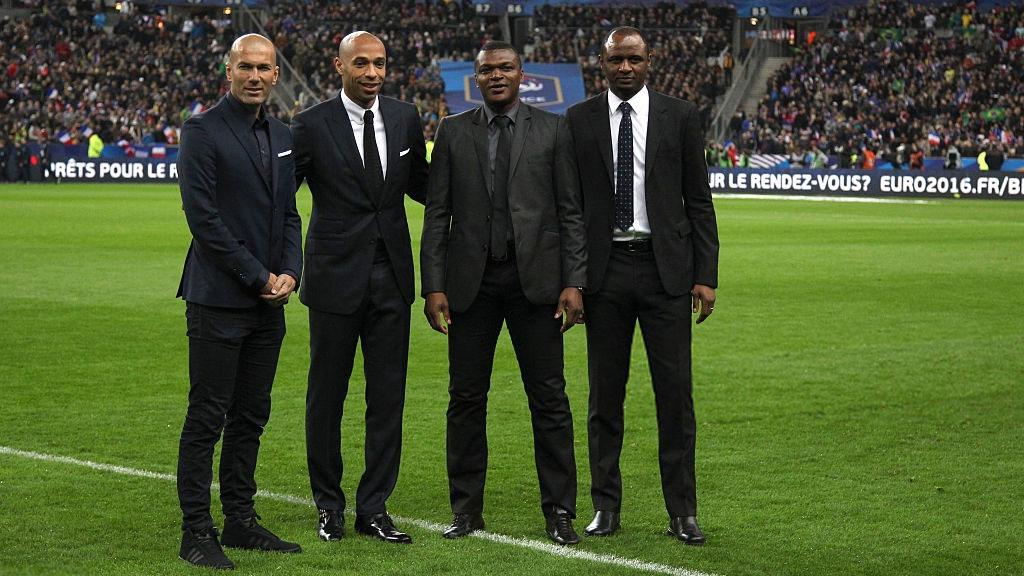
(641, 103)
(355, 116)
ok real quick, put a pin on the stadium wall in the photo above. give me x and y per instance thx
(865, 183)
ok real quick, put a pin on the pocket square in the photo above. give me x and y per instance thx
(285, 153)
(403, 152)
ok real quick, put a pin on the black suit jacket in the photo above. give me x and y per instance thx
(684, 233)
(243, 226)
(347, 220)
(543, 198)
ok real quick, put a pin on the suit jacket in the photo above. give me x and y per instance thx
(243, 226)
(347, 220)
(543, 199)
(684, 233)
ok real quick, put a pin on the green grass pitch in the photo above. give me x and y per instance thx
(859, 393)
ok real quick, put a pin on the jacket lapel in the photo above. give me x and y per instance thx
(656, 121)
(599, 114)
(522, 129)
(392, 130)
(480, 144)
(345, 140)
(245, 137)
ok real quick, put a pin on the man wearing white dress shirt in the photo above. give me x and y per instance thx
(361, 154)
(652, 243)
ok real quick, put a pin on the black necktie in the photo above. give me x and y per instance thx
(499, 191)
(624, 171)
(371, 157)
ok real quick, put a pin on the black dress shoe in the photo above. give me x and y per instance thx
(381, 526)
(605, 523)
(246, 533)
(463, 524)
(331, 525)
(559, 528)
(202, 549)
(685, 528)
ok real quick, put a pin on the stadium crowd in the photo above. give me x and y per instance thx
(417, 36)
(67, 78)
(690, 43)
(899, 81)
(888, 81)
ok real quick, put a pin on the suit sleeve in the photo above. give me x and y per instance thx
(197, 180)
(291, 252)
(302, 145)
(437, 216)
(418, 169)
(570, 209)
(699, 208)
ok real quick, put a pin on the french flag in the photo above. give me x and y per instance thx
(934, 139)
(158, 152)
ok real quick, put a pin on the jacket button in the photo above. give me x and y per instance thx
(374, 241)
(379, 212)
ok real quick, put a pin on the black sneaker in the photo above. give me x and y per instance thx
(246, 533)
(202, 549)
(559, 528)
(331, 525)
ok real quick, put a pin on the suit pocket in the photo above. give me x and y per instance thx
(318, 244)
(684, 228)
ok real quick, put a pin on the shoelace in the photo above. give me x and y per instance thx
(563, 524)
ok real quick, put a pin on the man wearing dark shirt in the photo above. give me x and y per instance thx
(237, 183)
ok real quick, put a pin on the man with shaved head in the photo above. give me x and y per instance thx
(361, 154)
(238, 193)
(653, 259)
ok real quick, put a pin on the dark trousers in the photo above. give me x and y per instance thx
(538, 345)
(232, 358)
(632, 291)
(382, 323)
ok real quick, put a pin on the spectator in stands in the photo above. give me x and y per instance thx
(996, 157)
(952, 158)
(5, 155)
(916, 157)
(95, 145)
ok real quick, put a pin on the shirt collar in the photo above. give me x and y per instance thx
(355, 111)
(245, 112)
(490, 114)
(641, 102)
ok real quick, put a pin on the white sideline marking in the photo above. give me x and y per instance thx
(564, 552)
(822, 198)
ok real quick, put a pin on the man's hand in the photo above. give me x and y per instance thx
(437, 312)
(278, 289)
(571, 303)
(704, 300)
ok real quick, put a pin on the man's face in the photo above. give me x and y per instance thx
(625, 61)
(498, 74)
(361, 65)
(252, 71)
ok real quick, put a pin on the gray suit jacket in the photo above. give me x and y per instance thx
(544, 200)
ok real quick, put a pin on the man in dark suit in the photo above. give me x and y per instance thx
(652, 242)
(361, 154)
(503, 240)
(238, 192)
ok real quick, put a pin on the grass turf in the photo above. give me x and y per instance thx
(858, 390)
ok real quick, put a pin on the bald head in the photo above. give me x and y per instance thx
(251, 43)
(357, 39)
(361, 63)
(621, 34)
(625, 60)
(252, 69)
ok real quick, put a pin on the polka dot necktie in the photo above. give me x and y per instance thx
(624, 171)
